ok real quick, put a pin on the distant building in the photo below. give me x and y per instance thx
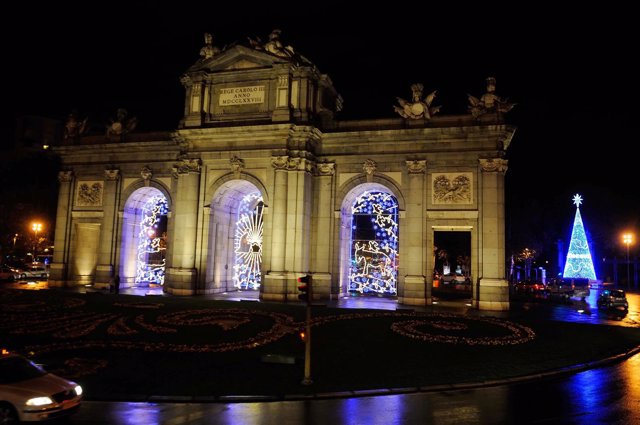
(261, 183)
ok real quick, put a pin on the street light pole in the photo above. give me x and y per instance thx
(627, 238)
(36, 228)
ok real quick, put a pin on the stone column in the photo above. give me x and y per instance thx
(493, 291)
(412, 252)
(181, 273)
(324, 221)
(59, 266)
(106, 249)
(275, 284)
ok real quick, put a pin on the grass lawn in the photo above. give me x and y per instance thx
(119, 346)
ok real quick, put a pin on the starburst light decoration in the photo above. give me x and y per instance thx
(374, 244)
(248, 243)
(151, 257)
(579, 263)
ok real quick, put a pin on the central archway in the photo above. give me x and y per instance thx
(236, 233)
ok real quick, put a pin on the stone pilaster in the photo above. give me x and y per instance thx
(414, 290)
(275, 284)
(493, 291)
(58, 272)
(323, 250)
(181, 272)
(108, 237)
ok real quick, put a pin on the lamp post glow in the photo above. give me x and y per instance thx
(36, 227)
(627, 239)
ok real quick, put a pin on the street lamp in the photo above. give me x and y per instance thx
(36, 227)
(627, 239)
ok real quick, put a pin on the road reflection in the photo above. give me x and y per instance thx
(608, 395)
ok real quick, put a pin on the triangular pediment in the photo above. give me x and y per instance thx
(236, 58)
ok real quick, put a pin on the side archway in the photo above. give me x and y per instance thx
(143, 241)
(369, 238)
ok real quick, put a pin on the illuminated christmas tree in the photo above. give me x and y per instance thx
(579, 263)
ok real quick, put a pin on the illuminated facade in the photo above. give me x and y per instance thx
(261, 183)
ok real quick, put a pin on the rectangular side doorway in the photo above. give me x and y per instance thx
(452, 265)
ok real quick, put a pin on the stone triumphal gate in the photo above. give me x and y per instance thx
(261, 183)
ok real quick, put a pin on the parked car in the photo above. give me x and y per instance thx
(613, 298)
(529, 287)
(35, 271)
(9, 273)
(569, 287)
(29, 393)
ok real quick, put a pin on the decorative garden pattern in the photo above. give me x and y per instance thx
(63, 322)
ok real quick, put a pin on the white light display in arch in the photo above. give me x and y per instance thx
(152, 241)
(248, 242)
(374, 244)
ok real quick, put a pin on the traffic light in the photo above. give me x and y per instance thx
(305, 288)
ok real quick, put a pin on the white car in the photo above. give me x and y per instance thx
(29, 393)
(8, 273)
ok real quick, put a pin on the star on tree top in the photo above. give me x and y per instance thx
(577, 199)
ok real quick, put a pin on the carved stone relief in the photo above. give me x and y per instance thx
(89, 194)
(452, 188)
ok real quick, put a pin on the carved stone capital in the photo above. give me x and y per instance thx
(280, 162)
(416, 166)
(187, 166)
(237, 165)
(146, 175)
(283, 81)
(185, 80)
(111, 174)
(65, 176)
(326, 168)
(492, 165)
(369, 167)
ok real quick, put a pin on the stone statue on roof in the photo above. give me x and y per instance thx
(74, 127)
(273, 46)
(208, 50)
(418, 108)
(489, 102)
(121, 125)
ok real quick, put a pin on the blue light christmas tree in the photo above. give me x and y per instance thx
(579, 263)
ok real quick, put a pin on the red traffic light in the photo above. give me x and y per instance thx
(304, 279)
(305, 288)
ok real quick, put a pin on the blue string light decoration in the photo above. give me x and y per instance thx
(374, 244)
(248, 242)
(152, 247)
(579, 263)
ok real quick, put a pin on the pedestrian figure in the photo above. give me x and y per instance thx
(116, 284)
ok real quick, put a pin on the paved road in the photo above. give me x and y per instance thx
(608, 395)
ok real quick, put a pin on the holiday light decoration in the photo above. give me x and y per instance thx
(248, 242)
(579, 263)
(374, 244)
(150, 264)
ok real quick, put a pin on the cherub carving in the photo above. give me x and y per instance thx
(418, 108)
(489, 102)
(122, 125)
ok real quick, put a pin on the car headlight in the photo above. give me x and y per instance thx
(39, 401)
(78, 390)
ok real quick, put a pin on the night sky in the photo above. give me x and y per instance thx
(571, 71)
